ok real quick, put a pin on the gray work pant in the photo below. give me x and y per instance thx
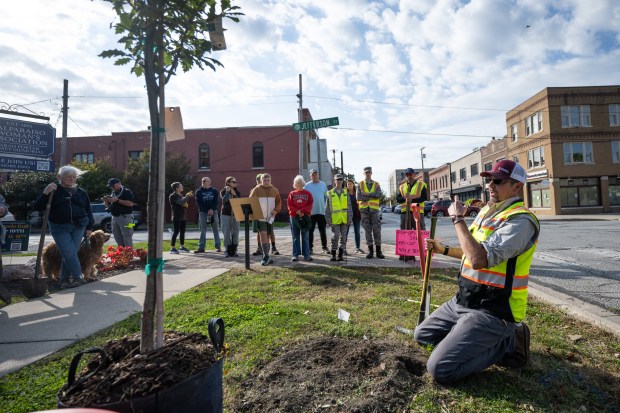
(339, 237)
(230, 228)
(372, 226)
(467, 341)
(203, 225)
(123, 235)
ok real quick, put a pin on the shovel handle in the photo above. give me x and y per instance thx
(46, 214)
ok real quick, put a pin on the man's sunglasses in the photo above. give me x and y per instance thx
(496, 182)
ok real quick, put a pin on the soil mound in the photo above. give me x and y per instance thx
(335, 375)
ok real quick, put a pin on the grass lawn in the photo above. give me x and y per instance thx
(575, 366)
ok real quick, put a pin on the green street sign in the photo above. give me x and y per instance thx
(316, 124)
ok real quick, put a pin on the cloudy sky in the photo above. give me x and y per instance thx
(400, 75)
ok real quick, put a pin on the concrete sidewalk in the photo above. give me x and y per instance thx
(33, 329)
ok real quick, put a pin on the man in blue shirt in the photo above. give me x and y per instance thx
(318, 189)
(208, 201)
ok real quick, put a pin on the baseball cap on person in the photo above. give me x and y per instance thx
(506, 169)
(113, 181)
(338, 176)
(409, 171)
(368, 169)
(313, 171)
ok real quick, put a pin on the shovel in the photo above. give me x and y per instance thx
(37, 286)
(425, 300)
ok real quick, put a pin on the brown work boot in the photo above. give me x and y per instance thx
(521, 356)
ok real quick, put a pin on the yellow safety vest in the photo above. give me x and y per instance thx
(372, 203)
(416, 191)
(500, 290)
(340, 206)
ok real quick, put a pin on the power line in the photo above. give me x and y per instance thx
(414, 133)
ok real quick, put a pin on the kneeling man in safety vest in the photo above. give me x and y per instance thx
(338, 214)
(481, 325)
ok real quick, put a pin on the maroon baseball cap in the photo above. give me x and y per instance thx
(506, 169)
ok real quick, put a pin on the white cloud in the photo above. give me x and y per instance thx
(442, 60)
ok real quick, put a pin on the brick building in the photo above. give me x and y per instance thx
(567, 139)
(242, 152)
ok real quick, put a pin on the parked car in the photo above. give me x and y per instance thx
(397, 209)
(428, 205)
(8, 217)
(440, 209)
(386, 209)
(103, 218)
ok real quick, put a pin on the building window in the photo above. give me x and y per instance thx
(453, 177)
(578, 152)
(614, 190)
(513, 132)
(615, 151)
(614, 115)
(488, 166)
(575, 116)
(536, 157)
(86, 157)
(515, 158)
(474, 169)
(204, 156)
(579, 192)
(258, 155)
(135, 155)
(540, 196)
(533, 124)
(463, 174)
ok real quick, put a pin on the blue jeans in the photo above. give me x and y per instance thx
(356, 229)
(203, 224)
(68, 238)
(300, 236)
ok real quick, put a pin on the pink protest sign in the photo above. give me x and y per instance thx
(407, 242)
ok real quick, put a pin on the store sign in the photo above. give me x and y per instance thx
(538, 174)
(16, 236)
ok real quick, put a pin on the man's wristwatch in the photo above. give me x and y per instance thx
(457, 218)
(446, 250)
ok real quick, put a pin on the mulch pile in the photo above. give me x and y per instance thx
(131, 374)
(335, 375)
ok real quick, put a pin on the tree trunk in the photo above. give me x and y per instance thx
(155, 204)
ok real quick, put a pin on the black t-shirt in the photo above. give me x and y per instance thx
(117, 208)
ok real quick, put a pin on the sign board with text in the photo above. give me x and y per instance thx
(18, 137)
(316, 124)
(407, 242)
(14, 163)
(16, 236)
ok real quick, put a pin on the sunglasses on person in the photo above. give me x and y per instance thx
(496, 182)
(233, 182)
(339, 179)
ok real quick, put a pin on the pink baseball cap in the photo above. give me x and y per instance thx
(506, 169)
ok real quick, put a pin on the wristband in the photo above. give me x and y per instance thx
(446, 250)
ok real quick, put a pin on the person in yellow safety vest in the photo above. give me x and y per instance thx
(338, 214)
(482, 325)
(368, 196)
(411, 191)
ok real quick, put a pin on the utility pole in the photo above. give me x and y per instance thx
(341, 164)
(301, 133)
(422, 159)
(65, 115)
(334, 158)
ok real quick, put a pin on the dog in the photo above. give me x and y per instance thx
(89, 255)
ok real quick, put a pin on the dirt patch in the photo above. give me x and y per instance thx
(130, 374)
(335, 375)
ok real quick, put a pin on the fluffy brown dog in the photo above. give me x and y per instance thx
(89, 255)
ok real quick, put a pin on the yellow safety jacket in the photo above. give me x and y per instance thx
(372, 203)
(499, 290)
(416, 191)
(340, 205)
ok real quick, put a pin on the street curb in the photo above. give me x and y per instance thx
(577, 308)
